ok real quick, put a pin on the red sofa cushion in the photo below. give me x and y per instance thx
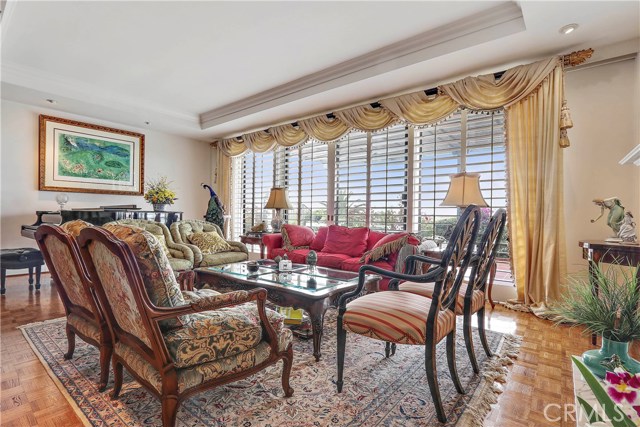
(344, 240)
(385, 246)
(374, 237)
(354, 264)
(277, 252)
(298, 256)
(296, 236)
(331, 260)
(318, 241)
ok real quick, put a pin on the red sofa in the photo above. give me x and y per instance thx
(340, 247)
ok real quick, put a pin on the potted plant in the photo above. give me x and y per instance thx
(159, 194)
(613, 314)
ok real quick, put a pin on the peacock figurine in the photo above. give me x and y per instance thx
(215, 210)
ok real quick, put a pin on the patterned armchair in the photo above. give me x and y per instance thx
(84, 318)
(180, 256)
(176, 347)
(181, 230)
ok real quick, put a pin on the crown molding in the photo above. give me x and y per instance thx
(489, 25)
(58, 86)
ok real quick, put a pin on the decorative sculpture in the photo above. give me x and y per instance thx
(628, 229)
(615, 217)
(215, 210)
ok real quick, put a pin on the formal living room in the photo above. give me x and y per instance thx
(305, 213)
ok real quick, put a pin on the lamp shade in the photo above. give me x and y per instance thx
(278, 199)
(464, 190)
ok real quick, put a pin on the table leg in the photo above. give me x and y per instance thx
(593, 259)
(316, 315)
(492, 276)
(262, 250)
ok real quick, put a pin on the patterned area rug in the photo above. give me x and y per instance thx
(377, 391)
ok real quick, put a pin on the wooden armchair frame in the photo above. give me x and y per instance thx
(95, 316)
(157, 355)
(448, 274)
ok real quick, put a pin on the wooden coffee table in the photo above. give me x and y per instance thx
(313, 289)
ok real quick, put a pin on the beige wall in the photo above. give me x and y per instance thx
(184, 161)
(605, 110)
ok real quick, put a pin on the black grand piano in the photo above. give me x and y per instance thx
(98, 216)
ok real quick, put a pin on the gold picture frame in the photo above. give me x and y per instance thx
(79, 157)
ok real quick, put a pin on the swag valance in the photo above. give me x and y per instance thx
(476, 93)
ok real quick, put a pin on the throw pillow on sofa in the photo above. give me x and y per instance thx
(209, 242)
(385, 246)
(318, 241)
(296, 237)
(344, 240)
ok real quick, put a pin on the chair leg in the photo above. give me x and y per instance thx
(387, 349)
(117, 379)
(287, 360)
(468, 340)
(481, 332)
(105, 358)
(342, 341)
(169, 411)
(432, 378)
(393, 349)
(71, 343)
(451, 361)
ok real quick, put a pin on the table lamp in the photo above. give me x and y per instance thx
(278, 200)
(464, 190)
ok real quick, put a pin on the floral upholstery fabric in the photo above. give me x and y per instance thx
(218, 334)
(71, 282)
(75, 227)
(394, 316)
(426, 289)
(182, 254)
(157, 274)
(116, 286)
(209, 242)
(85, 327)
(190, 296)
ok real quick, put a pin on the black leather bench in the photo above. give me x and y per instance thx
(14, 259)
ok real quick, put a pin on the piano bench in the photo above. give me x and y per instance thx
(13, 259)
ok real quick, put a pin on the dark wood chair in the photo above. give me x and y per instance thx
(472, 294)
(84, 317)
(406, 318)
(167, 348)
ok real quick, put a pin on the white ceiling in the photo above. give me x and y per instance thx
(178, 64)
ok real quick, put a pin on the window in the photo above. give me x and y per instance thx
(351, 181)
(390, 181)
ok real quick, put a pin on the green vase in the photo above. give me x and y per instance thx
(594, 358)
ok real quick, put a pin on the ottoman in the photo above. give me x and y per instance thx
(14, 259)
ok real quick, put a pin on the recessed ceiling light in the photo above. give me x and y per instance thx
(147, 123)
(568, 29)
(51, 101)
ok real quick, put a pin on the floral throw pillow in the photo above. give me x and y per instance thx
(209, 242)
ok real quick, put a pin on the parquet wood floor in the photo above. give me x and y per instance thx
(541, 376)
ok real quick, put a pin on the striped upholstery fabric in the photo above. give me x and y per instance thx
(426, 289)
(399, 317)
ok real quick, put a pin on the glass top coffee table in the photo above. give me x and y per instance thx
(313, 289)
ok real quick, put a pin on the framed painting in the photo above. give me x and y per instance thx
(84, 158)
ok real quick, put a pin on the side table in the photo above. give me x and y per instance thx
(253, 240)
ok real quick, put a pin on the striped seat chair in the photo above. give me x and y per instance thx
(471, 295)
(407, 318)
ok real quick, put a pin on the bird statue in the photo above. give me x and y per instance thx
(215, 210)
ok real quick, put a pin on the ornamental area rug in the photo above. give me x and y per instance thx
(377, 391)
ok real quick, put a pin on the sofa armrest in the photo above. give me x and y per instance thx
(239, 245)
(271, 242)
(180, 251)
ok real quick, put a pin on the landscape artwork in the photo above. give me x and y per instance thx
(81, 157)
(93, 159)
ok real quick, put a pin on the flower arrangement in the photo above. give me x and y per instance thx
(158, 192)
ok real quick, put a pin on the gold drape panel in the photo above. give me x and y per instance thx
(535, 199)
(259, 142)
(288, 135)
(232, 147)
(366, 118)
(418, 109)
(223, 180)
(322, 128)
(485, 93)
